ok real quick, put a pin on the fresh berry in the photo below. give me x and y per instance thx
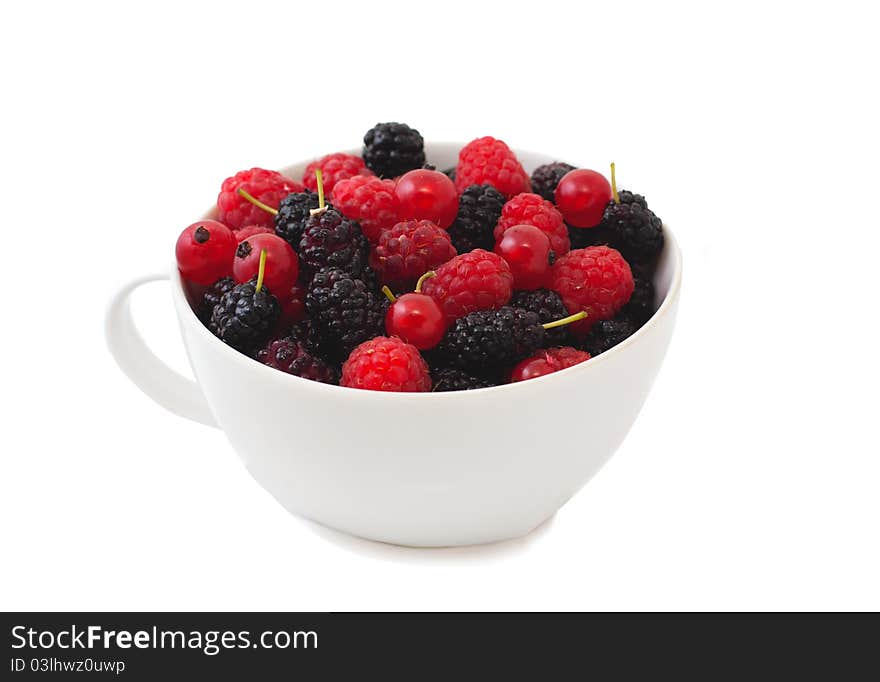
(490, 161)
(309, 334)
(332, 240)
(596, 280)
(478, 280)
(293, 212)
(527, 251)
(479, 208)
(334, 168)
(409, 249)
(293, 306)
(282, 265)
(293, 357)
(345, 310)
(635, 229)
(268, 187)
(204, 252)
(582, 237)
(581, 196)
(245, 316)
(392, 149)
(212, 297)
(450, 173)
(530, 209)
(427, 195)
(545, 178)
(549, 307)
(641, 303)
(546, 362)
(370, 201)
(416, 318)
(251, 230)
(451, 379)
(608, 333)
(386, 364)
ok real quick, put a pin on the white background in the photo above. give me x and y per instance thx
(751, 479)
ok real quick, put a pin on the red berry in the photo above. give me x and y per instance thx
(476, 280)
(427, 195)
(531, 209)
(293, 306)
(270, 187)
(204, 252)
(409, 249)
(386, 364)
(527, 251)
(596, 280)
(370, 201)
(548, 361)
(334, 167)
(251, 230)
(490, 161)
(582, 196)
(282, 266)
(417, 319)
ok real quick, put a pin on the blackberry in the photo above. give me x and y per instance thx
(608, 333)
(329, 239)
(212, 297)
(549, 307)
(293, 212)
(641, 304)
(457, 380)
(636, 231)
(307, 333)
(582, 237)
(488, 339)
(244, 317)
(345, 310)
(479, 208)
(546, 177)
(392, 149)
(293, 356)
(450, 173)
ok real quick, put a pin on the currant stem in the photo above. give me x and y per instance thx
(427, 275)
(261, 273)
(389, 294)
(256, 202)
(319, 177)
(565, 320)
(614, 185)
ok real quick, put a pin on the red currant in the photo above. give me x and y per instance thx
(282, 265)
(427, 195)
(417, 319)
(527, 251)
(204, 252)
(546, 362)
(581, 197)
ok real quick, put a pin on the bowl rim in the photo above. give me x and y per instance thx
(664, 309)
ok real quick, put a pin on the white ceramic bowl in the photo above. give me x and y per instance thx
(430, 469)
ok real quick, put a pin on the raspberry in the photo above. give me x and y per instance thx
(635, 229)
(547, 362)
(530, 209)
(331, 240)
(606, 334)
(345, 310)
(370, 201)
(386, 364)
(244, 317)
(477, 280)
(488, 339)
(334, 168)
(596, 280)
(409, 249)
(479, 208)
(267, 186)
(292, 215)
(546, 177)
(293, 357)
(450, 379)
(392, 149)
(250, 230)
(487, 160)
(212, 297)
(549, 307)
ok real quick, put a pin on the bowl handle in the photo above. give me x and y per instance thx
(172, 391)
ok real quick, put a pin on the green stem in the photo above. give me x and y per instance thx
(389, 293)
(261, 273)
(256, 202)
(614, 185)
(565, 320)
(427, 275)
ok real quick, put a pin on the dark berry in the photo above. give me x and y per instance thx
(479, 208)
(392, 149)
(549, 307)
(582, 237)
(451, 379)
(292, 215)
(294, 357)
(546, 177)
(637, 232)
(212, 297)
(450, 173)
(244, 317)
(607, 333)
(641, 304)
(332, 240)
